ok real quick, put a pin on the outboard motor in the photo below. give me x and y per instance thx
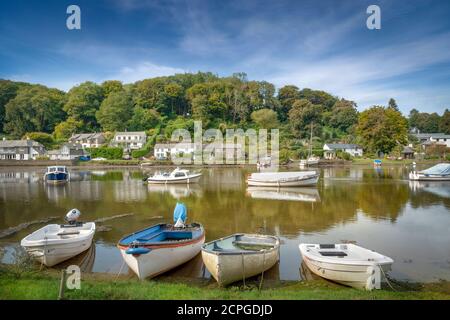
(180, 215)
(72, 216)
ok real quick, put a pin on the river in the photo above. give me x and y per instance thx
(377, 208)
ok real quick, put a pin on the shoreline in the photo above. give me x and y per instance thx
(44, 284)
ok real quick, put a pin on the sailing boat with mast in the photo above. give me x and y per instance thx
(311, 160)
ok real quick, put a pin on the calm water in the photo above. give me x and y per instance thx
(377, 208)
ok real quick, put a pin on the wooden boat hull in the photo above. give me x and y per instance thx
(183, 180)
(229, 267)
(52, 252)
(354, 275)
(310, 181)
(161, 259)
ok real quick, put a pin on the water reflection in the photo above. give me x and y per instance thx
(374, 206)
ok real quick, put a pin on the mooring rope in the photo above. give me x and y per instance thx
(262, 274)
(243, 269)
(120, 271)
(385, 276)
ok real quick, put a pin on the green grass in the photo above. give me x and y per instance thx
(359, 161)
(45, 285)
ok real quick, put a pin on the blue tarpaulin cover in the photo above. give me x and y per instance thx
(180, 212)
(439, 169)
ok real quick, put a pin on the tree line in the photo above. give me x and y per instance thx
(162, 104)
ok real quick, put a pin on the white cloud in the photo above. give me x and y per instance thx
(144, 70)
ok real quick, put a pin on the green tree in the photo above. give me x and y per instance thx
(64, 130)
(143, 119)
(302, 114)
(8, 90)
(44, 138)
(109, 86)
(265, 118)
(34, 108)
(318, 97)
(424, 122)
(287, 95)
(343, 115)
(444, 124)
(393, 104)
(115, 111)
(382, 129)
(83, 101)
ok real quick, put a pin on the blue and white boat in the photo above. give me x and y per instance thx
(439, 172)
(162, 247)
(57, 174)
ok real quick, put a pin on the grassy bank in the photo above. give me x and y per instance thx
(45, 285)
(358, 161)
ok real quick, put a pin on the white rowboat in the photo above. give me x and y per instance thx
(240, 256)
(283, 179)
(347, 264)
(55, 243)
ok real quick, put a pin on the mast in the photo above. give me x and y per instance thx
(310, 142)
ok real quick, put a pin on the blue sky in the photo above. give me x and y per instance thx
(320, 44)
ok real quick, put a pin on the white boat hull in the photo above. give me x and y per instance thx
(422, 177)
(357, 274)
(160, 260)
(183, 180)
(297, 183)
(51, 253)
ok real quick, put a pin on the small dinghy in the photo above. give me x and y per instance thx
(56, 174)
(347, 264)
(162, 247)
(176, 176)
(283, 179)
(55, 243)
(240, 256)
(439, 172)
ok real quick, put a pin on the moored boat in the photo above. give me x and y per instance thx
(439, 172)
(347, 264)
(311, 161)
(176, 176)
(57, 174)
(240, 256)
(162, 247)
(56, 243)
(283, 179)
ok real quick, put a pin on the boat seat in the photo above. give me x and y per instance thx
(256, 244)
(327, 246)
(149, 237)
(333, 253)
(68, 233)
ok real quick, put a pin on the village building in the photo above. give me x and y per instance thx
(129, 140)
(20, 149)
(331, 149)
(68, 151)
(407, 153)
(429, 139)
(88, 140)
(163, 151)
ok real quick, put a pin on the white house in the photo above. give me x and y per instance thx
(20, 149)
(129, 140)
(69, 151)
(88, 140)
(428, 139)
(330, 150)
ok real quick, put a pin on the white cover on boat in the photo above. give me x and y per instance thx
(439, 169)
(277, 176)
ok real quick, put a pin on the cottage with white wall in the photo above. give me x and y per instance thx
(20, 149)
(68, 151)
(331, 149)
(88, 140)
(129, 140)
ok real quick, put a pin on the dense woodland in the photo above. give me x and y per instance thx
(163, 104)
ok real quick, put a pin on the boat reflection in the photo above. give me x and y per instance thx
(438, 188)
(290, 194)
(176, 191)
(85, 260)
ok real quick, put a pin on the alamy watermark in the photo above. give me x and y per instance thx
(212, 146)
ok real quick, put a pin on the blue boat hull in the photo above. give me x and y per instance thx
(57, 177)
